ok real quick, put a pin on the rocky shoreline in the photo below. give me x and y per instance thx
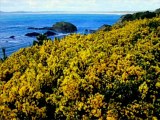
(66, 27)
(59, 27)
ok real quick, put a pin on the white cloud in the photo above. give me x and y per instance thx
(60, 5)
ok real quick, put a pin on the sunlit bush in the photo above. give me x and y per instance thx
(107, 75)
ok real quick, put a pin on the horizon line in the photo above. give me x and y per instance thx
(70, 11)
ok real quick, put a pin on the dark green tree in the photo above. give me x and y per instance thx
(4, 54)
(40, 39)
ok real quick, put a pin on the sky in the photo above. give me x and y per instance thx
(78, 5)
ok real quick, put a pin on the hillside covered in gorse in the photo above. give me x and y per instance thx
(111, 75)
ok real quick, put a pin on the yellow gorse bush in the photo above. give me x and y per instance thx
(106, 76)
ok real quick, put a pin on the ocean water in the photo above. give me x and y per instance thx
(16, 24)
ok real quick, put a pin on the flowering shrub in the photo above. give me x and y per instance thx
(106, 75)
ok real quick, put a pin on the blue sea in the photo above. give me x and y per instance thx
(16, 24)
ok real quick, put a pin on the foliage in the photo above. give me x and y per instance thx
(105, 27)
(4, 55)
(40, 39)
(139, 15)
(157, 11)
(107, 75)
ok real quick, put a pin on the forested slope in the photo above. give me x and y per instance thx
(107, 75)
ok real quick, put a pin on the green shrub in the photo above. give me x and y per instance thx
(107, 75)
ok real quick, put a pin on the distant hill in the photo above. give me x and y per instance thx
(75, 12)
